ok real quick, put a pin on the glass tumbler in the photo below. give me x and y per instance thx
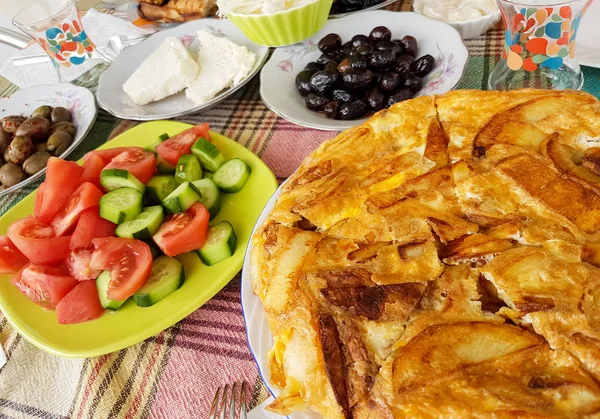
(55, 25)
(539, 45)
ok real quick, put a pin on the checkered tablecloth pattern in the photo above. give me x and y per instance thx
(175, 373)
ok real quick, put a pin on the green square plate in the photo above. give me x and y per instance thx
(131, 324)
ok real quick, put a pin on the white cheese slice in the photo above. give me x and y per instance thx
(165, 72)
(222, 64)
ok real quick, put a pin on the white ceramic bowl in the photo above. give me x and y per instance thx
(469, 28)
(79, 100)
(277, 78)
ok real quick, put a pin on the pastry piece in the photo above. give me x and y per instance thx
(176, 10)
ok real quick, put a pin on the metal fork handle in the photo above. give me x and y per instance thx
(13, 38)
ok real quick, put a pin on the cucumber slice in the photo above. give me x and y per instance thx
(220, 244)
(102, 285)
(159, 187)
(156, 141)
(188, 169)
(207, 175)
(181, 198)
(167, 275)
(154, 249)
(210, 157)
(210, 195)
(112, 179)
(232, 176)
(164, 167)
(121, 205)
(143, 226)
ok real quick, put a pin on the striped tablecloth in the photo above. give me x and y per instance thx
(175, 374)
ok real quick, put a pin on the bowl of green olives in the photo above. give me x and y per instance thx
(38, 123)
(361, 64)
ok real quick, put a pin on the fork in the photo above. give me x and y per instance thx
(115, 45)
(226, 402)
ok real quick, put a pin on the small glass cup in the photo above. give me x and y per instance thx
(539, 45)
(55, 25)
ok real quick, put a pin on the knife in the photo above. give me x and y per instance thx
(14, 39)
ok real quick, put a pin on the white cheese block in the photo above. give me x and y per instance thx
(222, 64)
(165, 72)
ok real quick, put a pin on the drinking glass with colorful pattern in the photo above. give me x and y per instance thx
(539, 45)
(55, 25)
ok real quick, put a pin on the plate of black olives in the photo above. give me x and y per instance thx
(341, 8)
(361, 64)
(38, 123)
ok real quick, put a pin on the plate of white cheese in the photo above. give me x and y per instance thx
(179, 71)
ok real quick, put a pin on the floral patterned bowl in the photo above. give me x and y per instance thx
(277, 78)
(79, 100)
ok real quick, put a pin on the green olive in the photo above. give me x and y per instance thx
(11, 174)
(5, 139)
(36, 162)
(36, 128)
(19, 149)
(11, 123)
(41, 147)
(43, 111)
(59, 142)
(60, 114)
(67, 127)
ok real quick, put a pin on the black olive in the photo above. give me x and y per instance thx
(357, 78)
(382, 59)
(377, 76)
(382, 45)
(358, 61)
(330, 43)
(380, 33)
(412, 82)
(376, 100)
(400, 45)
(390, 81)
(315, 102)
(322, 81)
(403, 64)
(410, 45)
(362, 50)
(343, 95)
(403, 94)
(314, 67)
(347, 47)
(325, 58)
(360, 40)
(331, 66)
(422, 66)
(353, 110)
(344, 65)
(331, 109)
(303, 82)
(338, 55)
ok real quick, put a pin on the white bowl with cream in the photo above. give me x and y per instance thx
(471, 18)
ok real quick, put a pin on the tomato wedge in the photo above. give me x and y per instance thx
(129, 262)
(44, 285)
(11, 258)
(80, 304)
(108, 154)
(175, 147)
(140, 163)
(37, 241)
(183, 232)
(79, 264)
(90, 226)
(62, 178)
(91, 170)
(86, 196)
